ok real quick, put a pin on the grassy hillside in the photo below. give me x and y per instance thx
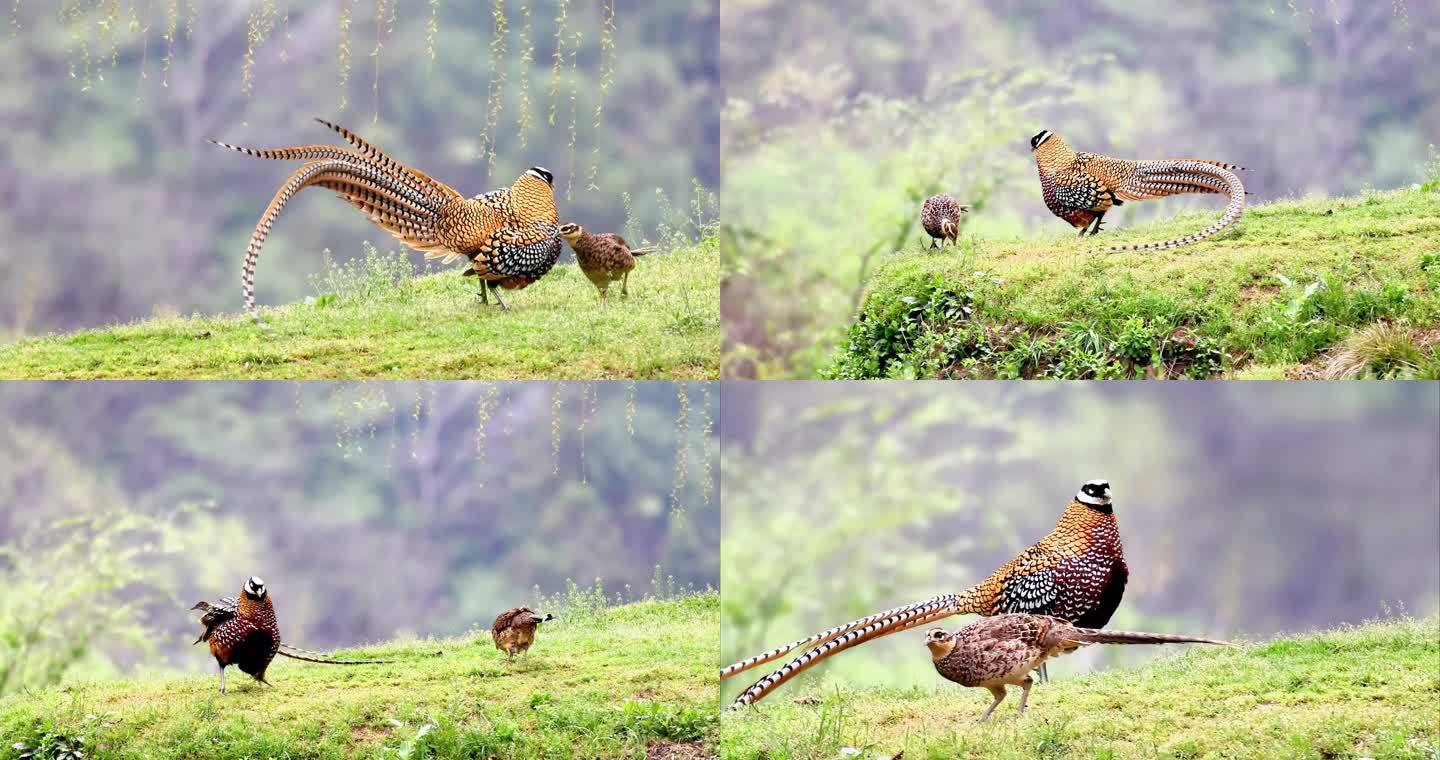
(1346, 287)
(375, 320)
(623, 682)
(1370, 691)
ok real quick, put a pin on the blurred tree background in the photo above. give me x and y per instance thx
(828, 149)
(113, 206)
(1246, 510)
(373, 510)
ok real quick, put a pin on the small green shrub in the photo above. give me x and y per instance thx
(51, 746)
(643, 720)
(365, 279)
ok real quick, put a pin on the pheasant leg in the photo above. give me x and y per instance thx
(999, 692)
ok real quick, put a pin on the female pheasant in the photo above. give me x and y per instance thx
(940, 216)
(511, 236)
(1077, 572)
(997, 651)
(514, 630)
(603, 257)
(1082, 187)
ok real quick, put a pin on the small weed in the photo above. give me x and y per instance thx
(1430, 172)
(51, 746)
(1383, 351)
(374, 275)
(644, 720)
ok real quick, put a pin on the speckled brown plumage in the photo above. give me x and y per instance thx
(244, 634)
(994, 652)
(243, 631)
(1077, 572)
(514, 629)
(940, 216)
(510, 236)
(603, 257)
(1082, 187)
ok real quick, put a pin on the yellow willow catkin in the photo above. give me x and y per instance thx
(286, 37)
(415, 415)
(587, 410)
(384, 25)
(574, 111)
(682, 449)
(558, 60)
(343, 432)
(343, 51)
(144, 30)
(523, 122)
(630, 409)
(112, 19)
(607, 77)
(172, 21)
(261, 23)
(556, 402)
(484, 410)
(495, 105)
(432, 31)
(707, 429)
(393, 436)
(252, 41)
(73, 17)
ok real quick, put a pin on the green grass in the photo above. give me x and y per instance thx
(615, 683)
(371, 320)
(1369, 691)
(1283, 295)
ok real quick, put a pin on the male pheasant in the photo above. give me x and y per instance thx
(510, 236)
(514, 629)
(997, 651)
(243, 632)
(1082, 187)
(1077, 573)
(603, 257)
(247, 637)
(940, 216)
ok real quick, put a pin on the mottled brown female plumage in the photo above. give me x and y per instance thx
(994, 652)
(604, 257)
(940, 216)
(1082, 187)
(510, 236)
(1077, 572)
(514, 630)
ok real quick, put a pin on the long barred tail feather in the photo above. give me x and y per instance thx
(297, 653)
(439, 190)
(1096, 636)
(911, 616)
(324, 661)
(412, 187)
(407, 215)
(1155, 179)
(810, 641)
